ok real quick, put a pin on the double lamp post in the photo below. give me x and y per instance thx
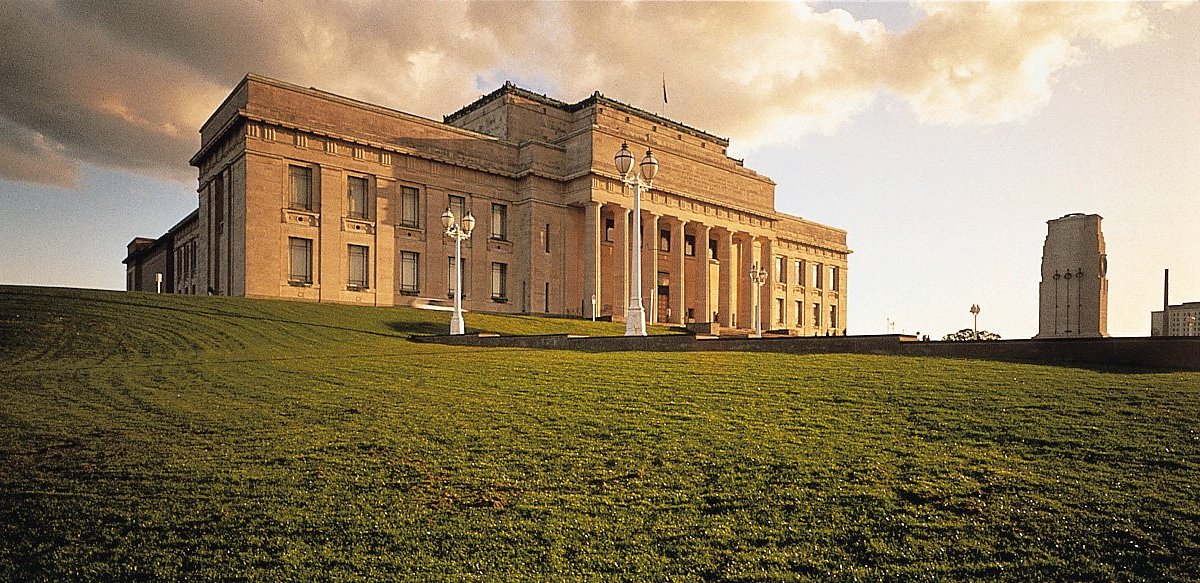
(459, 232)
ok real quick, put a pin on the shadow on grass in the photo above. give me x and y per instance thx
(418, 328)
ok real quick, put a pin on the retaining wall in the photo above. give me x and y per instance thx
(1151, 352)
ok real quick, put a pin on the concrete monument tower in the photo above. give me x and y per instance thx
(1073, 298)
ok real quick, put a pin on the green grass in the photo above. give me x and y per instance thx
(152, 437)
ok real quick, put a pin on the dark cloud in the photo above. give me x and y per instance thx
(127, 84)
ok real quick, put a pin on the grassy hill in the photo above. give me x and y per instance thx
(148, 437)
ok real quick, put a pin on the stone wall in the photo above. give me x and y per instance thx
(1169, 352)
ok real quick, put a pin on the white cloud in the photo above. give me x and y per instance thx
(127, 84)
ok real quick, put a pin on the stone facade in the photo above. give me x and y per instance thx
(1073, 297)
(1182, 320)
(311, 196)
(173, 256)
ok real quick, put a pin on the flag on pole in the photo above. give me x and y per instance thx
(664, 88)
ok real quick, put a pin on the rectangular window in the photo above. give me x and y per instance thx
(818, 276)
(500, 281)
(609, 227)
(780, 311)
(458, 206)
(689, 245)
(451, 274)
(410, 207)
(833, 279)
(359, 262)
(300, 188)
(816, 322)
(500, 222)
(664, 240)
(712, 248)
(781, 270)
(546, 237)
(299, 261)
(833, 320)
(799, 313)
(410, 264)
(356, 187)
(800, 273)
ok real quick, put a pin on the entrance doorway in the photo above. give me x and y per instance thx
(664, 297)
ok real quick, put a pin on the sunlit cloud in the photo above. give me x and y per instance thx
(126, 85)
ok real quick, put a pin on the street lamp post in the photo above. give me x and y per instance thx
(635, 316)
(758, 276)
(975, 313)
(458, 232)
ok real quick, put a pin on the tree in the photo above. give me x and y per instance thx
(968, 334)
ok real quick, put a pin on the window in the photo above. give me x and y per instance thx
(356, 187)
(781, 270)
(500, 281)
(500, 222)
(410, 207)
(359, 267)
(818, 276)
(546, 237)
(609, 227)
(800, 273)
(664, 240)
(452, 275)
(299, 261)
(410, 264)
(833, 280)
(833, 323)
(300, 188)
(458, 206)
(799, 313)
(712, 248)
(780, 311)
(689, 245)
(816, 322)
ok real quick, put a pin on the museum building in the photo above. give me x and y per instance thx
(311, 196)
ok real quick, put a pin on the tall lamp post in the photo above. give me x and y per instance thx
(635, 316)
(975, 313)
(758, 276)
(458, 232)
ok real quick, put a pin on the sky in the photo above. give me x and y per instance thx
(941, 136)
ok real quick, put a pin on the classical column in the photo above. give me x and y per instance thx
(591, 259)
(745, 288)
(621, 235)
(725, 291)
(766, 258)
(703, 270)
(678, 275)
(650, 269)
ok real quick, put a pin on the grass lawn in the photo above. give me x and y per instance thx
(148, 437)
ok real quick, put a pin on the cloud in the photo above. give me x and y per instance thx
(127, 84)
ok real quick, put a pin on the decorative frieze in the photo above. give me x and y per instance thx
(301, 217)
(358, 225)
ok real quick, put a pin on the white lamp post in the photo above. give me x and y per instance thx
(458, 232)
(593, 307)
(758, 276)
(635, 316)
(975, 313)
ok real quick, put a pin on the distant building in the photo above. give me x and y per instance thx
(311, 196)
(1073, 297)
(172, 255)
(1182, 320)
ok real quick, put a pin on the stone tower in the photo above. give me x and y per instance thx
(1073, 298)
